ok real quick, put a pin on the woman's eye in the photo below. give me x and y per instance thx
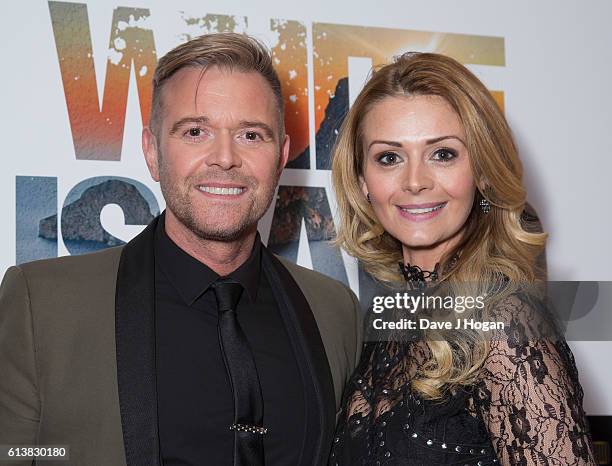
(388, 158)
(444, 155)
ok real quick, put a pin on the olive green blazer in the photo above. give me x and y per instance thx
(77, 352)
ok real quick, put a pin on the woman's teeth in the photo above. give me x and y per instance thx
(424, 210)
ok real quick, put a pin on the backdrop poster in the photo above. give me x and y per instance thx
(76, 89)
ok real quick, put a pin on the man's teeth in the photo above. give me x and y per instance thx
(222, 191)
(424, 210)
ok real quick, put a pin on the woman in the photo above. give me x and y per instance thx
(426, 174)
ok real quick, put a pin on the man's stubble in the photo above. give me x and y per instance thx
(178, 201)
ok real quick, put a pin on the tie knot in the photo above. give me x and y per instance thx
(227, 293)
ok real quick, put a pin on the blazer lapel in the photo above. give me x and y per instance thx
(312, 360)
(135, 341)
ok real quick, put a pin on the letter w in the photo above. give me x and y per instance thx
(98, 134)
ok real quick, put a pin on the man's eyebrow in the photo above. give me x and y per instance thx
(204, 120)
(428, 141)
(257, 124)
(184, 121)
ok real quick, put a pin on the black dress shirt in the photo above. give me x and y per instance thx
(195, 403)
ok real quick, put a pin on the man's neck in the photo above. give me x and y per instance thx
(223, 257)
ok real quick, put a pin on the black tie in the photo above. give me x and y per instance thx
(240, 364)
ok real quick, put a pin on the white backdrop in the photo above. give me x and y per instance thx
(557, 62)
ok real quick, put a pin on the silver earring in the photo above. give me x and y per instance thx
(369, 198)
(485, 206)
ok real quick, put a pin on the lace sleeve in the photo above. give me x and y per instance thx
(529, 397)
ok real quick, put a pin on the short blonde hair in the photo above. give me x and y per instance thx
(231, 51)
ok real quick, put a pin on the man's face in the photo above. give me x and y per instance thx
(218, 154)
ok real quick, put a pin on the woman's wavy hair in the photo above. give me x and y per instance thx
(495, 247)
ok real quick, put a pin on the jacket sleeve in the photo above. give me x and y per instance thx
(19, 399)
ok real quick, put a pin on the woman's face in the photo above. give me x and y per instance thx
(417, 171)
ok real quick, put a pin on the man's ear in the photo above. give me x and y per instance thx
(284, 154)
(149, 147)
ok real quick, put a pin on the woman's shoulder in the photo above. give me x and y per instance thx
(530, 342)
(524, 313)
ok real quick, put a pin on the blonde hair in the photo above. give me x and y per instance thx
(228, 50)
(494, 247)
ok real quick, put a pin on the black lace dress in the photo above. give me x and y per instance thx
(526, 408)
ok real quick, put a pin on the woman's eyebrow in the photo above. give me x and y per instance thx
(388, 143)
(442, 138)
(428, 141)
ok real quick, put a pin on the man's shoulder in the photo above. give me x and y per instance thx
(314, 283)
(309, 276)
(338, 316)
(82, 265)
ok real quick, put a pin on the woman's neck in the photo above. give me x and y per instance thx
(427, 257)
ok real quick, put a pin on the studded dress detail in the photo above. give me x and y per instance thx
(525, 409)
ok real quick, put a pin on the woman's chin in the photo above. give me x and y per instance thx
(419, 243)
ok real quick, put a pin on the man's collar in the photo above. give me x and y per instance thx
(191, 278)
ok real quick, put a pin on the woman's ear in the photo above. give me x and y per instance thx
(482, 184)
(364, 187)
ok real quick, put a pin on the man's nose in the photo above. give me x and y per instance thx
(223, 153)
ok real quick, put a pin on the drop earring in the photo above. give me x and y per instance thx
(485, 206)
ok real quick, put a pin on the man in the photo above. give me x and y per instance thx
(192, 344)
